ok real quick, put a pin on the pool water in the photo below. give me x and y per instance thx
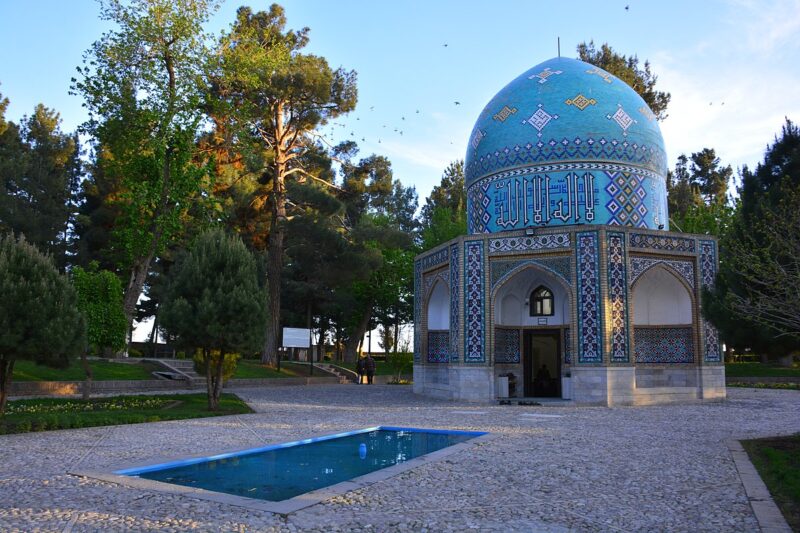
(280, 472)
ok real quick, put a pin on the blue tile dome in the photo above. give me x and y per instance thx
(566, 143)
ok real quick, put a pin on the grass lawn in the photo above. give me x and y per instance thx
(253, 369)
(738, 370)
(57, 413)
(102, 371)
(778, 463)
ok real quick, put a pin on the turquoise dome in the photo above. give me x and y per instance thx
(566, 143)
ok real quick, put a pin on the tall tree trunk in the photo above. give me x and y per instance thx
(209, 378)
(86, 392)
(152, 340)
(275, 244)
(353, 342)
(217, 386)
(396, 331)
(6, 371)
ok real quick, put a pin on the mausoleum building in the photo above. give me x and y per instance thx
(569, 282)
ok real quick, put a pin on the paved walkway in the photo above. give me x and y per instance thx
(549, 469)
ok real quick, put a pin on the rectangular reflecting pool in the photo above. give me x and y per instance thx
(283, 471)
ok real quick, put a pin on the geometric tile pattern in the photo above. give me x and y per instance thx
(436, 258)
(417, 310)
(478, 216)
(526, 243)
(506, 345)
(474, 293)
(454, 302)
(623, 120)
(438, 346)
(626, 206)
(663, 345)
(561, 266)
(567, 343)
(684, 269)
(430, 278)
(617, 296)
(659, 242)
(708, 269)
(620, 150)
(589, 306)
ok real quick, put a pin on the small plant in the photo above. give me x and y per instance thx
(400, 363)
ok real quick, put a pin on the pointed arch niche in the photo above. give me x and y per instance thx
(663, 318)
(437, 313)
(513, 299)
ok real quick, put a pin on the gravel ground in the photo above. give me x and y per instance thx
(662, 468)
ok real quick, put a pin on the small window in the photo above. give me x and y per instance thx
(541, 302)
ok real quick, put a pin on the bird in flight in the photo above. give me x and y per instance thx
(457, 102)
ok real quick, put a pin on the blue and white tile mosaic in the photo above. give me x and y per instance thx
(417, 311)
(528, 243)
(567, 343)
(454, 302)
(506, 345)
(474, 294)
(438, 257)
(618, 298)
(431, 278)
(502, 270)
(660, 242)
(684, 269)
(589, 306)
(663, 345)
(438, 346)
(708, 270)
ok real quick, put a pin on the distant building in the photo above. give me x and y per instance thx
(569, 278)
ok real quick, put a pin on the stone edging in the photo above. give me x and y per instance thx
(284, 507)
(769, 517)
(73, 388)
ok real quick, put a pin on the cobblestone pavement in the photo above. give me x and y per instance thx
(662, 468)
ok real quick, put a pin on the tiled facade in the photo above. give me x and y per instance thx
(602, 265)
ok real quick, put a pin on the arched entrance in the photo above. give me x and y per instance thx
(662, 318)
(438, 322)
(531, 327)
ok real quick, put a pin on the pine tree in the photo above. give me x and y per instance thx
(39, 316)
(214, 305)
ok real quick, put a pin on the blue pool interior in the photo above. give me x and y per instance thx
(283, 471)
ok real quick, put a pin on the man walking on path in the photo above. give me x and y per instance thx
(369, 368)
(360, 365)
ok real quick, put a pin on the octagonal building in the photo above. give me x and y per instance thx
(569, 283)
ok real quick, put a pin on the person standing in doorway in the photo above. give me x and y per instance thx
(360, 366)
(369, 368)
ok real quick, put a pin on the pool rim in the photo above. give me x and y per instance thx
(290, 505)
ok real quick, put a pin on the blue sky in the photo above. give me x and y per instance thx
(742, 53)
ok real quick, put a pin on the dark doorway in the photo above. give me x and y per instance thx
(542, 363)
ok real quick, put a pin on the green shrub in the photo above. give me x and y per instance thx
(228, 366)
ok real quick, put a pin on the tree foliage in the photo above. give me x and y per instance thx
(40, 170)
(214, 304)
(100, 300)
(141, 84)
(641, 79)
(754, 302)
(39, 316)
(276, 96)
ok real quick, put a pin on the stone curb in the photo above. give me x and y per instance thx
(769, 517)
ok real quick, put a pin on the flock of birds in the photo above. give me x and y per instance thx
(338, 130)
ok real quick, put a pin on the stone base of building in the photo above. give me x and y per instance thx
(463, 383)
(604, 386)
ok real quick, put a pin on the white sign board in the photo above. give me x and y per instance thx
(296, 337)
